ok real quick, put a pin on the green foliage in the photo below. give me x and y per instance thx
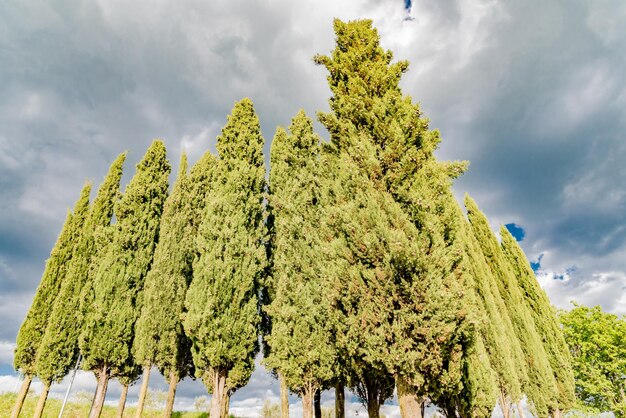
(221, 303)
(59, 348)
(107, 337)
(597, 343)
(497, 332)
(541, 387)
(545, 319)
(299, 336)
(405, 189)
(31, 333)
(159, 334)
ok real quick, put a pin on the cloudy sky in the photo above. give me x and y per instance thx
(532, 93)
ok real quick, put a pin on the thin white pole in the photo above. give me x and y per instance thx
(67, 392)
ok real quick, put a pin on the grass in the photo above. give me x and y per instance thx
(79, 410)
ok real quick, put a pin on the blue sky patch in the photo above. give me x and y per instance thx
(516, 230)
(536, 265)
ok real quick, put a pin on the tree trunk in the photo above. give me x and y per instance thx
(219, 394)
(19, 402)
(557, 413)
(520, 410)
(504, 405)
(307, 403)
(225, 404)
(373, 404)
(451, 412)
(122, 403)
(373, 409)
(101, 392)
(144, 390)
(340, 401)
(284, 397)
(317, 403)
(42, 401)
(171, 394)
(410, 404)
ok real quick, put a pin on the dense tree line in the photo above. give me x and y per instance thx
(354, 263)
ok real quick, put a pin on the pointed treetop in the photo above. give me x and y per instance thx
(183, 166)
(241, 136)
(359, 66)
(108, 192)
(81, 207)
(299, 145)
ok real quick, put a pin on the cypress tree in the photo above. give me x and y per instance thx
(107, 336)
(159, 335)
(222, 305)
(299, 339)
(391, 144)
(31, 333)
(59, 347)
(546, 322)
(540, 387)
(46, 367)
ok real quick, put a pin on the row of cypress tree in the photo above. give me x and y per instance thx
(354, 262)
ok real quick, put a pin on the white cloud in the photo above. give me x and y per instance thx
(607, 289)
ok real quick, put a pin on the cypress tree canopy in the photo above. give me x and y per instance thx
(222, 317)
(31, 333)
(545, 319)
(541, 387)
(107, 336)
(59, 347)
(501, 342)
(299, 341)
(159, 335)
(389, 142)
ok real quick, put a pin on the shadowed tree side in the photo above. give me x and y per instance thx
(540, 387)
(546, 322)
(222, 317)
(300, 339)
(159, 336)
(107, 336)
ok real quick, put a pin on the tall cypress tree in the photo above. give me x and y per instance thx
(222, 305)
(107, 336)
(46, 367)
(540, 388)
(59, 347)
(159, 336)
(299, 339)
(546, 322)
(387, 138)
(31, 333)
